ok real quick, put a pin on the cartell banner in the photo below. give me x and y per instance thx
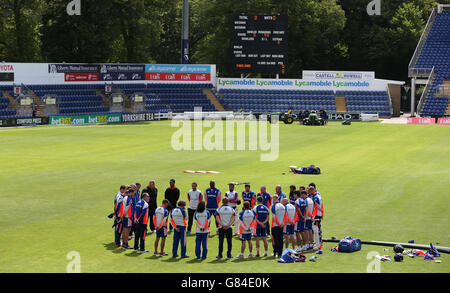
(85, 119)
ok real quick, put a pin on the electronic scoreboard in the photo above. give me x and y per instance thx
(260, 44)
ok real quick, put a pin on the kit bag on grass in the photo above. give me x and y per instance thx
(349, 244)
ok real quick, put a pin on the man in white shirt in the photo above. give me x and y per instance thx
(248, 224)
(178, 220)
(225, 217)
(308, 218)
(288, 230)
(233, 201)
(195, 196)
(117, 221)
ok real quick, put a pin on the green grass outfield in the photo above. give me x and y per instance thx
(379, 182)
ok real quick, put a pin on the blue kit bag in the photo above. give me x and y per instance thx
(349, 244)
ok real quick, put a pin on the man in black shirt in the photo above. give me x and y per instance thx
(300, 114)
(152, 203)
(172, 194)
(306, 113)
(323, 114)
(291, 194)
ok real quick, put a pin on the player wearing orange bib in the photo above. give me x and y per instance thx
(248, 223)
(160, 217)
(202, 219)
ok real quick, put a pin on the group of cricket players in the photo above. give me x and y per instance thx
(295, 219)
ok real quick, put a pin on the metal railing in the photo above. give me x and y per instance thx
(442, 7)
(423, 38)
(421, 72)
(426, 91)
(27, 90)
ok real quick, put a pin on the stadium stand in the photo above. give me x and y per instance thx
(435, 56)
(77, 99)
(74, 99)
(86, 99)
(181, 97)
(276, 100)
(5, 106)
(369, 102)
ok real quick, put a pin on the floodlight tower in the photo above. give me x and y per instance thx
(185, 33)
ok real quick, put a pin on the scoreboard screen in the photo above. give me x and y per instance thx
(8, 76)
(260, 43)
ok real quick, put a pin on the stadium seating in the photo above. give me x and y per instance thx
(435, 106)
(74, 99)
(368, 102)
(6, 112)
(277, 100)
(176, 98)
(436, 53)
(79, 99)
(283, 100)
(83, 99)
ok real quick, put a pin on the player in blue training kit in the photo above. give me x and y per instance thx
(299, 224)
(280, 193)
(249, 196)
(136, 197)
(291, 194)
(201, 217)
(126, 216)
(178, 221)
(140, 219)
(262, 220)
(318, 213)
(267, 201)
(213, 197)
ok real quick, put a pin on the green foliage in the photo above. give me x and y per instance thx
(312, 41)
(384, 43)
(326, 34)
(19, 30)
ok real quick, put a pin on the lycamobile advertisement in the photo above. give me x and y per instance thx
(85, 119)
(174, 72)
(297, 84)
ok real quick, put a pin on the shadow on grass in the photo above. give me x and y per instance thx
(238, 260)
(219, 261)
(195, 260)
(171, 259)
(133, 254)
(109, 246)
(119, 250)
(154, 257)
(112, 247)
